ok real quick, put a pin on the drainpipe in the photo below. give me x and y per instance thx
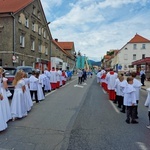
(14, 35)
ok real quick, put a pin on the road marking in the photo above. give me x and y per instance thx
(114, 107)
(84, 84)
(142, 146)
(104, 91)
(78, 86)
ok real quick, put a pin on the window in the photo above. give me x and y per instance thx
(143, 46)
(44, 34)
(27, 22)
(134, 46)
(125, 56)
(38, 14)
(19, 19)
(22, 41)
(39, 30)
(46, 50)
(40, 47)
(33, 26)
(143, 56)
(34, 10)
(134, 56)
(32, 44)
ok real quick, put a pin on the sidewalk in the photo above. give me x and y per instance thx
(147, 84)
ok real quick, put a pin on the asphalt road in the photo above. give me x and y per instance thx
(77, 118)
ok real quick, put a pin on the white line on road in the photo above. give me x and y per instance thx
(142, 146)
(114, 107)
(104, 91)
(78, 86)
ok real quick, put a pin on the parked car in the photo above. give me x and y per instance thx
(10, 73)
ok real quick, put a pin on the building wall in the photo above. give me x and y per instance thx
(125, 56)
(26, 55)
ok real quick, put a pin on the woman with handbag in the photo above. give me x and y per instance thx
(5, 102)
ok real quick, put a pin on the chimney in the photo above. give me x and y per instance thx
(56, 40)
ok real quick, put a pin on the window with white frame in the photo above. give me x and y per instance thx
(34, 10)
(32, 44)
(40, 47)
(19, 19)
(39, 30)
(125, 56)
(46, 50)
(39, 14)
(134, 56)
(27, 22)
(134, 46)
(44, 33)
(22, 40)
(33, 26)
(143, 46)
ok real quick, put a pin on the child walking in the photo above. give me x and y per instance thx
(130, 101)
(147, 104)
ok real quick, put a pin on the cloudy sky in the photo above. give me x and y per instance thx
(96, 26)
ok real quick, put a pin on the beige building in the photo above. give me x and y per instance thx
(25, 38)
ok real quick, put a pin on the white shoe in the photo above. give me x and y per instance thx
(148, 126)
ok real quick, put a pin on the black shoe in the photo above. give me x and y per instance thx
(37, 101)
(115, 102)
(136, 117)
(119, 106)
(127, 121)
(134, 122)
(122, 111)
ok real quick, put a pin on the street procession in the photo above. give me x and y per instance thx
(74, 75)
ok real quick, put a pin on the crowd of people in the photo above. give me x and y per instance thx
(124, 92)
(27, 90)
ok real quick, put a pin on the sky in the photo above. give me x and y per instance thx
(97, 26)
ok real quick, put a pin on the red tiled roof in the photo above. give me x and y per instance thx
(66, 45)
(13, 5)
(142, 61)
(139, 39)
(56, 43)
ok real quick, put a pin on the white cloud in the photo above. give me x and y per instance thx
(92, 33)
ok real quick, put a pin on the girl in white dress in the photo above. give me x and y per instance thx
(40, 93)
(27, 94)
(5, 102)
(3, 124)
(18, 105)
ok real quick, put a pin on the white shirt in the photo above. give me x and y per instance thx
(53, 78)
(137, 85)
(33, 81)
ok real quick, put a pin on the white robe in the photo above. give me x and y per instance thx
(53, 78)
(147, 102)
(27, 95)
(40, 93)
(5, 103)
(137, 85)
(111, 78)
(47, 82)
(18, 104)
(129, 95)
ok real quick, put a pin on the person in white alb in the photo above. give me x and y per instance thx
(27, 94)
(40, 93)
(47, 85)
(53, 79)
(33, 82)
(42, 80)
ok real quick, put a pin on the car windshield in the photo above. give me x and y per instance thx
(10, 72)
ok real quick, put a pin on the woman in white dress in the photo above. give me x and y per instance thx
(5, 102)
(18, 104)
(40, 93)
(27, 94)
(3, 124)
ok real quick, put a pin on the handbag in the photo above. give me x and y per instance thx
(8, 93)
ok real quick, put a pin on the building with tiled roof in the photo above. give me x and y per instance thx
(24, 34)
(69, 48)
(137, 48)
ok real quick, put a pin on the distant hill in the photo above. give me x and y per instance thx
(94, 63)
